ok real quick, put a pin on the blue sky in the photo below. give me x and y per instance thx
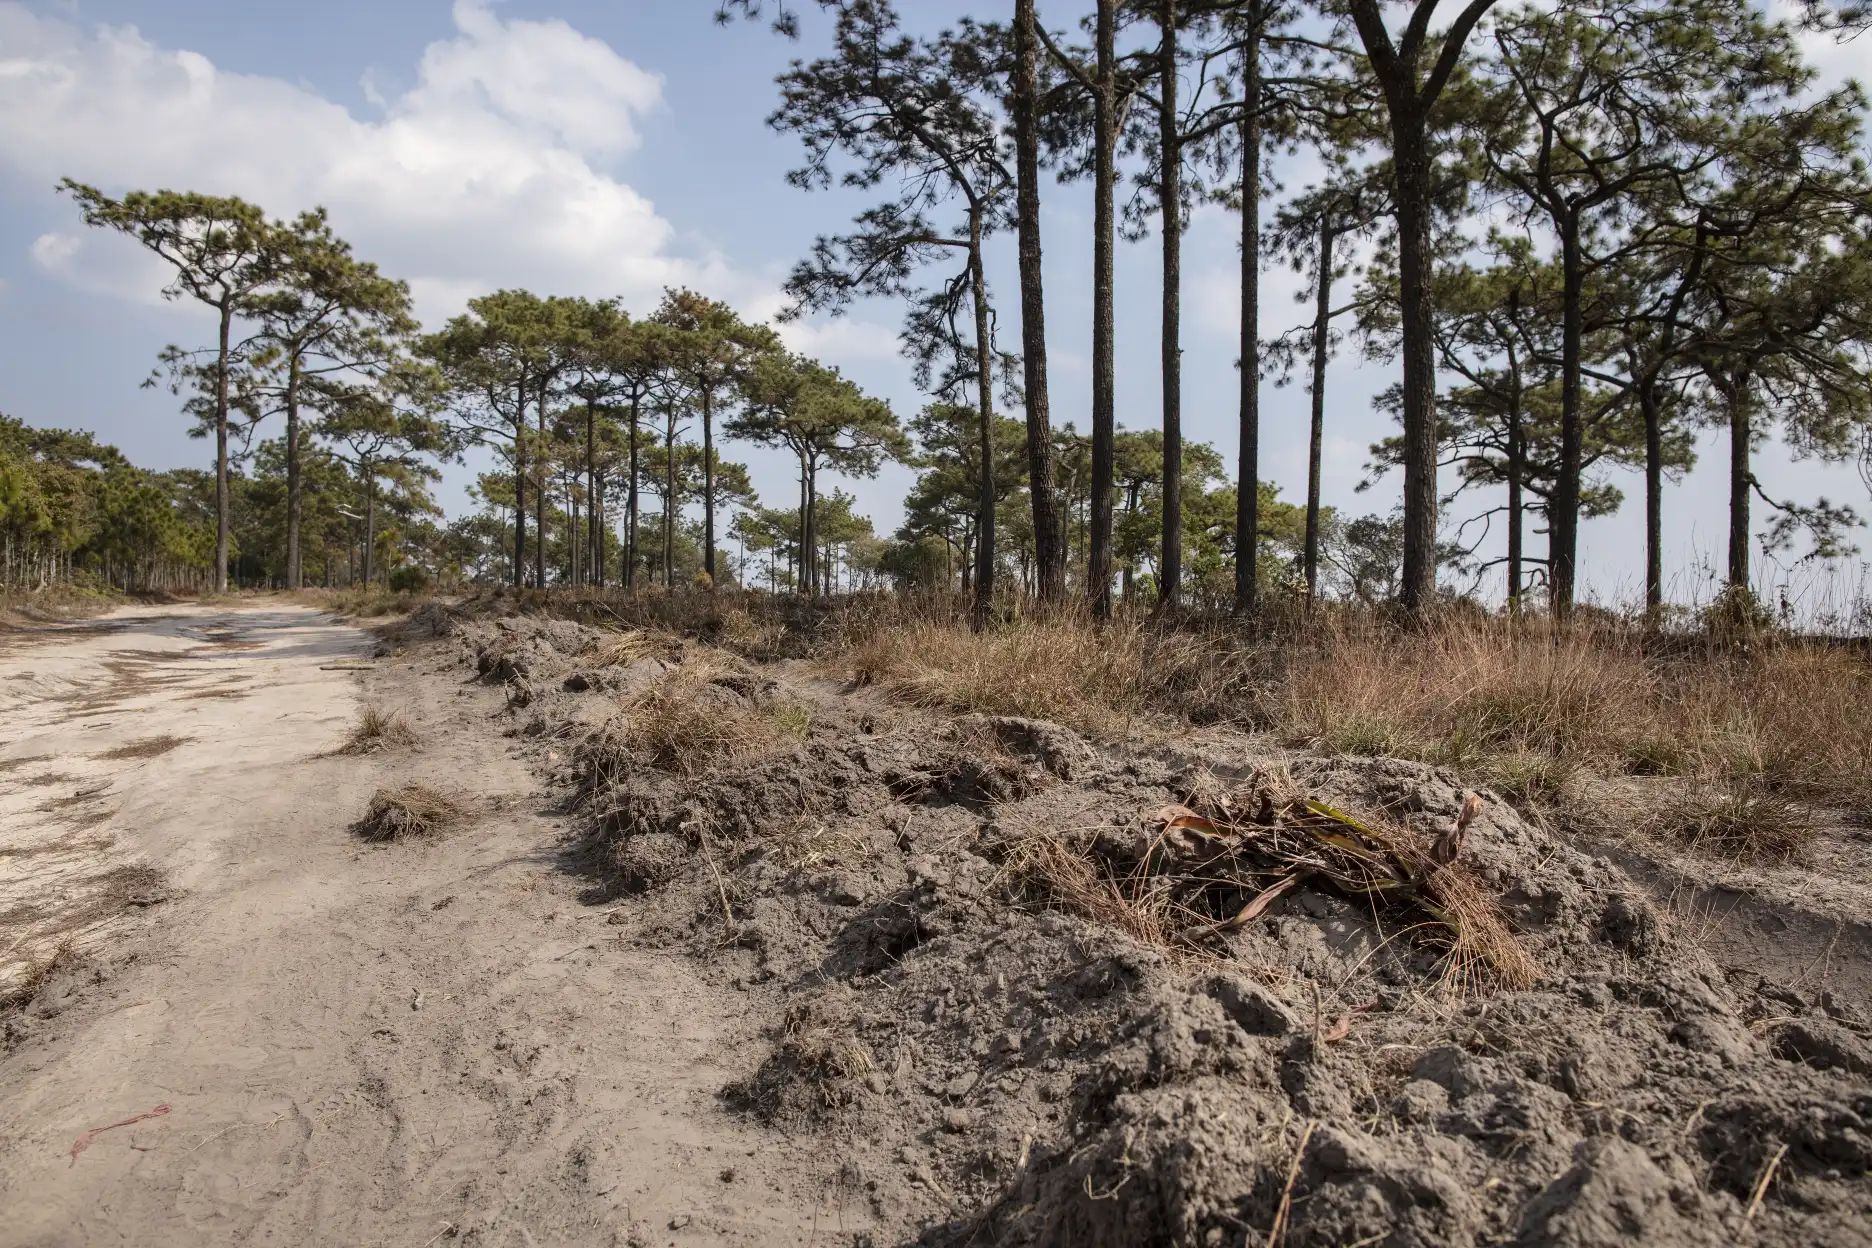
(580, 147)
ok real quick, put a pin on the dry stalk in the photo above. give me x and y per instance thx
(1278, 1232)
(1761, 1184)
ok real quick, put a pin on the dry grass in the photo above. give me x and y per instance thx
(1749, 824)
(365, 603)
(1208, 868)
(808, 844)
(823, 1053)
(39, 972)
(377, 730)
(408, 810)
(1534, 709)
(621, 648)
(1069, 670)
(1531, 698)
(148, 747)
(687, 724)
(1739, 821)
(1059, 871)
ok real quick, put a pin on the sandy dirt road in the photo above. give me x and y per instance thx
(411, 1044)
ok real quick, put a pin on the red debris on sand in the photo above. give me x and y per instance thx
(84, 1141)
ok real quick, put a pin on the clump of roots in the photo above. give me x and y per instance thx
(1199, 872)
(408, 810)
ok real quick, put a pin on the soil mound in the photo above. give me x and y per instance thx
(1043, 993)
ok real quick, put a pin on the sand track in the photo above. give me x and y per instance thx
(410, 1044)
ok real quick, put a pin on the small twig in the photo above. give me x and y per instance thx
(234, 1127)
(1316, 1020)
(446, 1228)
(1696, 1115)
(1761, 1184)
(720, 888)
(1279, 1230)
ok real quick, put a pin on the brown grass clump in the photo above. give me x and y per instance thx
(822, 1054)
(1204, 870)
(1542, 701)
(808, 844)
(378, 729)
(408, 810)
(621, 648)
(1060, 871)
(1744, 823)
(149, 747)
(687, 724)
(1068, 669)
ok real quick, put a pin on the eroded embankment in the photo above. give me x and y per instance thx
(1042, 994)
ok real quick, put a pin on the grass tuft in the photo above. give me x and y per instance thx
(378, 729)
(1744, 823)
(408, 810)
(687, 724)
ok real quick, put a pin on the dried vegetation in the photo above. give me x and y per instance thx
(378, 729)
(1752, 732)
(408, 810)
(149, 747)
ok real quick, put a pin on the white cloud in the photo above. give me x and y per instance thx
(486, 172)
(842, 338)
(54, 252)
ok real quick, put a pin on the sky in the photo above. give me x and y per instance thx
(610, 148)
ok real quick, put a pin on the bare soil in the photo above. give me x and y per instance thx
(722, 953)
(428, 1041)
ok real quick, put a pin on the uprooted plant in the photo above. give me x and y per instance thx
(1204, 870)
(378, 729)
(408, 810)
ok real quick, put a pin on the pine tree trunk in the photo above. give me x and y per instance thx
(520, 475)
(1411, 162)
(1735, 396)
(595, 575)
(539, 495)
(1248, 471)
(1564, 524)
(1105, 138)
(984, 394)
(600, 521)
(1170, 202)
(669, 498)
(223, 500)
(370, 522)
(708, 482)
(294, 487)
(1316, 439)
(1517, 474)
(1049, 546)
(630, 500)
(1654, 497)
(809, 531)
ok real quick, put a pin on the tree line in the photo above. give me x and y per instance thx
(589, 411)
(1582, 231)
